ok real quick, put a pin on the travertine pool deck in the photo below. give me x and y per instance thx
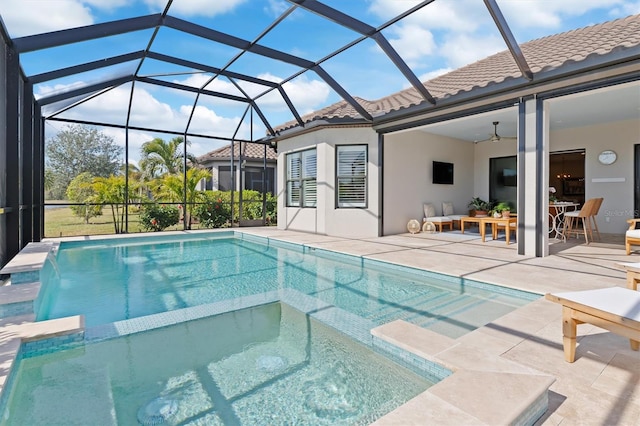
(601, 387)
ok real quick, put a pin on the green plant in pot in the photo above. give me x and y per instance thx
(478, 207)
(503, 209)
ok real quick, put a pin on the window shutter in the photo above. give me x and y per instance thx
(294, 172)
(352, 176)
(309, 173)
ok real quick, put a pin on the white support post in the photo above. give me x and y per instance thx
(533, 181)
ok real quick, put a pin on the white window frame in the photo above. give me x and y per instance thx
(354, 176)
(303, 179)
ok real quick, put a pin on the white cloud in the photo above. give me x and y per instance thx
(413, 43)
(136, 139)
(195, 7)
(433, 74)
(206, 121)
(453, 33)
(550, 13)
(463, 49)
(147, 111)
(457, 15)
(27, 17)
(276, 8)
(626, 9)
(305, 93)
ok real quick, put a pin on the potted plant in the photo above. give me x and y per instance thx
(478, 207)
(503, 209)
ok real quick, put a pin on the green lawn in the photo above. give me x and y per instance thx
(60, 222)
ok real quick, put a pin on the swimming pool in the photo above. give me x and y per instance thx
(270, 364)
(112, 280)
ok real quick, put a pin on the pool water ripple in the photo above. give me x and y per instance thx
(122, 280)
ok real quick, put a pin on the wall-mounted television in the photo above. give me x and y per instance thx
(442, 173)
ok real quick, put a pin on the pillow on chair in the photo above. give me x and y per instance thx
(447, 208)
(429, 210)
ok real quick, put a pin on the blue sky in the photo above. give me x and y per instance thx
(443, 36)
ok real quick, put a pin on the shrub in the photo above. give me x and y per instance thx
(80, 190)
(156, 217)
(215, 210)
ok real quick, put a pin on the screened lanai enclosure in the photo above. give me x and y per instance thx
(158, 84)
(190, 76)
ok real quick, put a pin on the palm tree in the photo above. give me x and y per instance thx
(171, 187)
(160, 157)
(111, 191)
(137, 179)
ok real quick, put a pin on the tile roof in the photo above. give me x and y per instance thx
(249, 150)
(543, 54)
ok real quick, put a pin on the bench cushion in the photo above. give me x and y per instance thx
(633, 233)
(438, 219)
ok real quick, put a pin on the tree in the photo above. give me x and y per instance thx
(78, 149)
(80, 190)
(171, 187)
(111, 191)
(160, 157)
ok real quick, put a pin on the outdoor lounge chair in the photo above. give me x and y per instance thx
(430, 216)
(632, 236)
(447, 210)
(615, 309)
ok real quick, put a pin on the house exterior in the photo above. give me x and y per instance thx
(253, 158)
(576, 92)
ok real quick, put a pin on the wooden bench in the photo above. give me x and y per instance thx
(615, 309)
(633, 274)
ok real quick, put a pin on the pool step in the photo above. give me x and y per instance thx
(484, 389)
(25, 266)
(18, 299)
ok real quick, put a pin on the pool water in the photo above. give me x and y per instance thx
(266, 365)
(129, 278)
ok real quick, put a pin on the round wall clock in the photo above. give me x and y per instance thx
(607, 157)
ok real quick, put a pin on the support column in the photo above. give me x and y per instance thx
(12, 158)
(533, 178)
(27, 169)
(38, 173)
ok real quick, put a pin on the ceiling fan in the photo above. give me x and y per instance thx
(495, 137)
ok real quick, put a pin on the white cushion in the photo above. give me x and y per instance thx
(456, 216)
(633, 233)
(439, 219)
(573, 213)
(429, 210)
(447, 208)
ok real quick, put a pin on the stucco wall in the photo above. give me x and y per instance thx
(482, 152)
(619, 136)
(326, 218)
(408, 158)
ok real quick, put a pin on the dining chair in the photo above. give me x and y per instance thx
(573, 220)
(596, 209)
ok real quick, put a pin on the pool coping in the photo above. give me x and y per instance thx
(442, 400)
